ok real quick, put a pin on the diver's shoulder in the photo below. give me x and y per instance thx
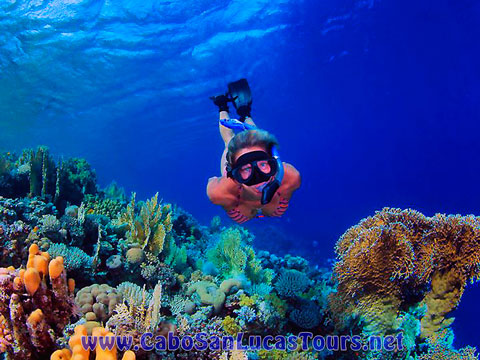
(221, 190)
(291, 176)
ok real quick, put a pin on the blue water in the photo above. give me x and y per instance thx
(375, 102)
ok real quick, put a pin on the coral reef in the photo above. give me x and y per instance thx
(148, 266)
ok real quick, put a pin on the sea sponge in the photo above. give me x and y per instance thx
(63, 354)
(79, 353)
(55, 267)
(32, 280)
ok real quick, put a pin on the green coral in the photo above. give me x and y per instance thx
(148, 227)
(175, 257)
(98, 205)
(233, 257)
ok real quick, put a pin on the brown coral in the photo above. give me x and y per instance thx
(405, 257)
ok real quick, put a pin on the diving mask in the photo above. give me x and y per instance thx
(253, 168)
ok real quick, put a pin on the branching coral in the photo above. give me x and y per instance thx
(398, 256)
(149, 227)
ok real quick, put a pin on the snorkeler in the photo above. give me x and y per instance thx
(254, 182)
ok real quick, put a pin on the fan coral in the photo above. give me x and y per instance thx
(148, 228)
(232, 256)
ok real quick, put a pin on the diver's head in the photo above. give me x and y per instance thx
(249, 158)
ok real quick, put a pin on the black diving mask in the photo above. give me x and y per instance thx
(253, 168)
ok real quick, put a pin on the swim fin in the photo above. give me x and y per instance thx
(241, 96)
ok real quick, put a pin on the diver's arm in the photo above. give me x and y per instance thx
(222, 191)
(291, 182)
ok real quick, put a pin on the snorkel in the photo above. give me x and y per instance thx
(271, 187)
(268, 189)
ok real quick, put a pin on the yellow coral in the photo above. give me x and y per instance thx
(230, 326)
(248, 301)
(149, 228)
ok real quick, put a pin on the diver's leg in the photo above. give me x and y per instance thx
(227, 135)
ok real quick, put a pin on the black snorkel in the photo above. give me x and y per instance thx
(270, 189)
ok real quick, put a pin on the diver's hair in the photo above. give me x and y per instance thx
(248, 138)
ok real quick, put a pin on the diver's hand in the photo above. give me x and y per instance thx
(221, 101)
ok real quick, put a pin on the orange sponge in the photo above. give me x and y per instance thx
(63, 354)
(35, 317)
(32, 280)
(100, 353)
(71, 285)
(33, 249)
(41, 264)
(75, 342)
(129, 355)
(55, 268)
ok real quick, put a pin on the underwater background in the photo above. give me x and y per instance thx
(374, 102)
